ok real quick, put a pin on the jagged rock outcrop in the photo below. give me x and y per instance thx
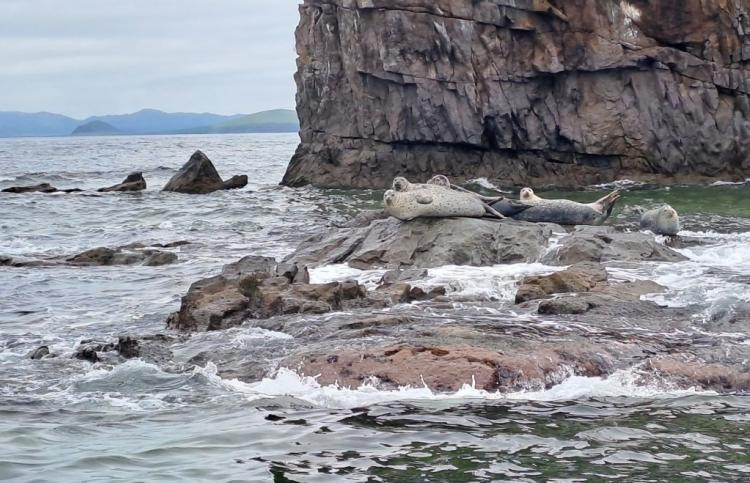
(563, 92)
(199, 176)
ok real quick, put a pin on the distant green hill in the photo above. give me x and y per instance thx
(146, 121)
(96, 128)
(277, 120)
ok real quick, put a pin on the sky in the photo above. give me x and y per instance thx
(94, 57)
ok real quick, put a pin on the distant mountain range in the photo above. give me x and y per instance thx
(147, 121)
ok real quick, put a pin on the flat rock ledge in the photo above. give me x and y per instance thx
(429, 243)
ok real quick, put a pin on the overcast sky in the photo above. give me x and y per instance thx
(86, 57)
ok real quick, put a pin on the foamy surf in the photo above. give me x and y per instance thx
(497, 282)
(286, 382)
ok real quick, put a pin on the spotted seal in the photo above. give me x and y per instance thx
(661, 221)
(563, 212)
(402, 184)
(434, 203)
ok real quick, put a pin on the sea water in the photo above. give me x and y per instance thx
(63, 419)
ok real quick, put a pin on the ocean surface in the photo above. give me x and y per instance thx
(63, 419)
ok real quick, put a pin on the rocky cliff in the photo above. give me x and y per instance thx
(562, 92)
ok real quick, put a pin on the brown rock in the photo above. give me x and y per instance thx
(448, 368)
(579, 278)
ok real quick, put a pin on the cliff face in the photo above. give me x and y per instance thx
(563, 92)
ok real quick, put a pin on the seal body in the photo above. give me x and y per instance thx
(437, 203)
(563, 212)
(661, 221)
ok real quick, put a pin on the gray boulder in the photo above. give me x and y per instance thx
(427, 243)
(134, 182)
(602, 244)
(199, 176)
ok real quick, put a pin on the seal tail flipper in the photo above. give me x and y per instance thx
(607, 203)
(491, 211)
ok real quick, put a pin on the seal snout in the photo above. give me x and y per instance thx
(400, 184)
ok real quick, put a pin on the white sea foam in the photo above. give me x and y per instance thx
(619, 184)
(289, 383)
(497, 282)
(487, 184)
(249, 336)
(731, 183)
(341, 272)
(703, 278)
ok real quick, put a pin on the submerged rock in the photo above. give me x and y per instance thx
(39, 353)
(134, 182)
(134, 254)
(40, 188)
(199, 176)
(103, 256)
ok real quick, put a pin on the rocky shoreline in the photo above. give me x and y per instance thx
(400, 329)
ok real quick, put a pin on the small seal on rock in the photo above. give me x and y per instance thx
(563, 212)
(436, 203)
(661, 221)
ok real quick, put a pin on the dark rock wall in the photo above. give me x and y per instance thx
(565, 92)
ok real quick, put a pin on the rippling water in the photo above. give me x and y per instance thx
(67, 420)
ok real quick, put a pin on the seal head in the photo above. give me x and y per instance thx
(661, 221)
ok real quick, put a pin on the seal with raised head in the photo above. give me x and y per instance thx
(661, 221)
(563, 212)
(438, 203)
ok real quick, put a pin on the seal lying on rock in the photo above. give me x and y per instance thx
(434, 203)
(563, 212)
(439, 181)
(661, 221)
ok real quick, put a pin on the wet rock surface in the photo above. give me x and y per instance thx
(133, 182)
(602, 244)
(40, 188)
(426, 243)
(133, 254)
(523, 93)
(153, 349)
(576, 321)
(260, 288)
(199, 176)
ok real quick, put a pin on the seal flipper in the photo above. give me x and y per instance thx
(607, 203)
(491, 211)
(423, 198)
(510, 207)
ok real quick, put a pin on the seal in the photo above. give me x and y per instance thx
(402, 184)
(563, 212)
(437, 203)
(661, 221)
